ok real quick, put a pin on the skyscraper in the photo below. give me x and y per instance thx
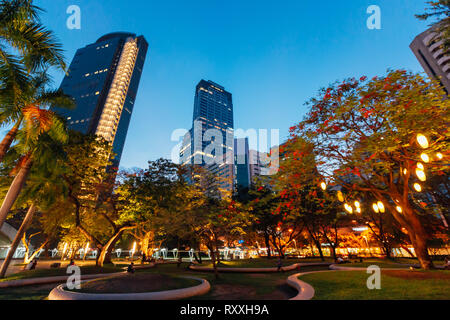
(242, 163)
(103, 78)
(210, 141)
(434, 60)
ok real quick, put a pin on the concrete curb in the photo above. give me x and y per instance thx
(60, 294)
(305, 290)
(46, 280)
(258, 270)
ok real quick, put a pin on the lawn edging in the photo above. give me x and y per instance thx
(258, 270)
(59, 293)
(305, 290)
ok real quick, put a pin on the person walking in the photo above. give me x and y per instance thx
(280, 265)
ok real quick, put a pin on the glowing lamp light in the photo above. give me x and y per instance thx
(399, 209)
(278, 229)
(348, 208)
(425, 157)
(323, 185)
(86, 249)
(422, 140)
(405, 171)
(420, 166)
(340, 196)
(133, 250)
(421, 175)
(439, 156)
(358, 210)
(357, 204)
(380, 206)
(375, 208)
(418, 187)
(290, 230)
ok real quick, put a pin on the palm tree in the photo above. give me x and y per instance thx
(43, 188)
(43, 130)
(32, 48)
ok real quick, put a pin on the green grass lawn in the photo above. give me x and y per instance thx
(395, 285)
(385, 263)
(377, 262)
(261, 262)
(39, 273)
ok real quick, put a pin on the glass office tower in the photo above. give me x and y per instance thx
(104, 78)
(210, 141)
(434, 59)
(242, 163)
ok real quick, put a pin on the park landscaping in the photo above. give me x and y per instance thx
(339, 285)
(395, 285)
(136, 283)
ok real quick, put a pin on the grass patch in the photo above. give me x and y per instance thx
(395, 285)
(39, 292)
(41, 273)
(262, 263)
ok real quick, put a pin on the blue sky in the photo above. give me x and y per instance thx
(271, 55)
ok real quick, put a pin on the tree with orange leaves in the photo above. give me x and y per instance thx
(373, 135)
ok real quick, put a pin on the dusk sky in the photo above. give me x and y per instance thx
(272, 56)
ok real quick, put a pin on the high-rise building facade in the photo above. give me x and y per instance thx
(103, 78)
(433, 58)
(210, 141)
(242, 163)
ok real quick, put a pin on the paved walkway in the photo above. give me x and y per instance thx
(44, 264)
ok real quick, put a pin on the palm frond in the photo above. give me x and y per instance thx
(17, 12)
(38, 46)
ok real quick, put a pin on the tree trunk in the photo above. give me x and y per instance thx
(318, 246)
(15, 189)
(333, 250)
(105, 253)
(199, 255)
(267, 241)
(8, 139)
(27, 259)
(24, 226)
(213, 259)
(418, 239)
(146, 243)
(407, 250)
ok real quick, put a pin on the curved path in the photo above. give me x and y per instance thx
(47, 280)
(60, 294)
(259, 270)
